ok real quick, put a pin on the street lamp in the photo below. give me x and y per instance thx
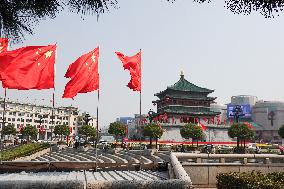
(151, 115)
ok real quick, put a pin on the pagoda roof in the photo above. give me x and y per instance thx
(184, 85)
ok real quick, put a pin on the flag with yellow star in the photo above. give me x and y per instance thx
(84, 74)
(30, 67)
(3, 45)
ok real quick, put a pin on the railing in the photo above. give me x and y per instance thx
(230, 158)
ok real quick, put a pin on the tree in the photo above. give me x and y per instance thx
(241, 131)
(61, 130)
(29, 131)
(9, 130)
(192, 131)
(281, 131)
(154, 131)
(19, 17)
(117, 129)
(88, 131)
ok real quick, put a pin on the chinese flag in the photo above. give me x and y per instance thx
(84, 74)
(30, 67)
(133, 64)
(203, 127)
(3, 45)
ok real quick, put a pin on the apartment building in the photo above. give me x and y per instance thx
(42, 117)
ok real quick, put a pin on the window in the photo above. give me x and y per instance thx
(18, 119)
(9, 119)
(13, 119)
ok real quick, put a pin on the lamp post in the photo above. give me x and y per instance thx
(151, 115)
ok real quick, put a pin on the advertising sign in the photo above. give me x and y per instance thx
(246, 110)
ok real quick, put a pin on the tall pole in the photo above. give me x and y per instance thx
(97, 130)
(140, 107)
(52, 113)
(140, 104)
(3, 124)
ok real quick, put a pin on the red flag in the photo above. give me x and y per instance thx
(3, 45)
(203, 127)
(30, 67)
(84, 74)
(133, 64)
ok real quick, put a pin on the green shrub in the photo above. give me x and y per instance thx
(23, 150)
(250, 180)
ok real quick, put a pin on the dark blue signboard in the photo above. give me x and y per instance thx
(245, 108)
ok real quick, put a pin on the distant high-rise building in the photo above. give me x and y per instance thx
(269, 115)
(243, 100)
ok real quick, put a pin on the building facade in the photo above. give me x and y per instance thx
(182, 103)
(269, 115)
(42, 117)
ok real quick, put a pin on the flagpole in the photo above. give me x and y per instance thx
(52, 113)
(97, 130)
(140, 108)
(3, 123)
(97, 126)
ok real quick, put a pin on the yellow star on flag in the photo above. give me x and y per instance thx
(48, 54)
(93, 57)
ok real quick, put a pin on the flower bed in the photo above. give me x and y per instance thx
(23, 150)
(250, 180)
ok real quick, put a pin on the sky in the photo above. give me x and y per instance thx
(216, 49)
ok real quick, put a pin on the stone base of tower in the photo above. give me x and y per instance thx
(213, 133)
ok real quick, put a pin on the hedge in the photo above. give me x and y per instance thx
(23, 150)
(250, 180)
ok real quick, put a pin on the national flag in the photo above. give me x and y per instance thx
(203, 127)
(133, 64)
(30, 67)
(84, 74)
(3, 45)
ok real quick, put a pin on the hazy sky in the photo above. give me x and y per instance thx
(233, 54)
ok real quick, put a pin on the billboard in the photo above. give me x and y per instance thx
(245, 108)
